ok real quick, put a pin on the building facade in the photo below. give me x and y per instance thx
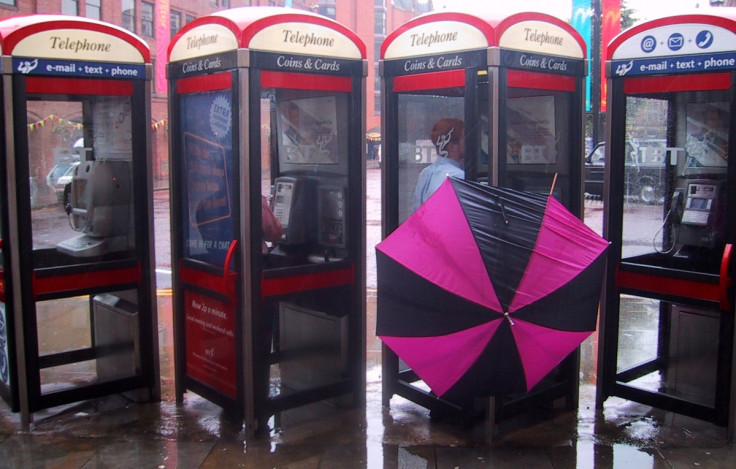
(157, 21)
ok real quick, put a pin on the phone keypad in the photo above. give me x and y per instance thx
(695, 217)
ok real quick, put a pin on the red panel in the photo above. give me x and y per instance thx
(86, 86)
(724, 281)
(92, 279)
(305, 81)
(694, 82)
(219, 81)
(669, 286)
(610, 27)
(430, 81)
(540, 81)
(210, 342)
(214, 283)
(298, 283)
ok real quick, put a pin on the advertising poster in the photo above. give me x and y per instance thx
(210, 339)
(707, 135)
(531, 131)
(207, 156)
(308, 131)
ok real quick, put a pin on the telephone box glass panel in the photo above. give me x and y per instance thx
(537, 145)
(675, 179)
(304, 173)
(305, 210)
(418, 114)
(80, 163)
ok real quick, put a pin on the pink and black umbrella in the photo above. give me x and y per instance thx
(484, 290)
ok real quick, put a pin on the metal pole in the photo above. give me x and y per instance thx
(595, 75)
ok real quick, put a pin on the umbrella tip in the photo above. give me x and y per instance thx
(552, 188)
(508, 317)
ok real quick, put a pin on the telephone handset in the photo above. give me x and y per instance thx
(293, 204)
(675, 212)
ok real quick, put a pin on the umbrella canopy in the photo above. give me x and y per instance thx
(484, 290)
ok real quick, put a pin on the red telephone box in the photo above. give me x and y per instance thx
(668, 313)
(517, 82)
(78, 299)
(268, 181)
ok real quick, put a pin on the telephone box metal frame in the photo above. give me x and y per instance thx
(238, 52)
(479, 58)
(34, 61)
(677, 54)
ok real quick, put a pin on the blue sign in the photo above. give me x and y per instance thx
(704, 39)
(582, 14)
(542, 63)
(648, 44)
(679, 64)
(675, 41)
(73, 68)
(203, 65)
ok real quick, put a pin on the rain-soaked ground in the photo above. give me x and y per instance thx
(115, 432)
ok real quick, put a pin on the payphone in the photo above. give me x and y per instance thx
(516, 82)
(670, 266)
(695, 212)
(99, 208)
(311, 167)
(279, 252)
(292, 200)
(77, 257)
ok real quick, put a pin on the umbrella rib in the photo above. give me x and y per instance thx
(503, 211)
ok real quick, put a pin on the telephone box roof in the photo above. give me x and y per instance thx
(480, 30)
(37, 36)
(266, 29)
(682, 28)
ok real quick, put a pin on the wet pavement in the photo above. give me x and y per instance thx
(115, 432)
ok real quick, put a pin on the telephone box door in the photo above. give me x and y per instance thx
(204, 226)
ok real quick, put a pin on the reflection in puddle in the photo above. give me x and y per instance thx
(591, 455)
